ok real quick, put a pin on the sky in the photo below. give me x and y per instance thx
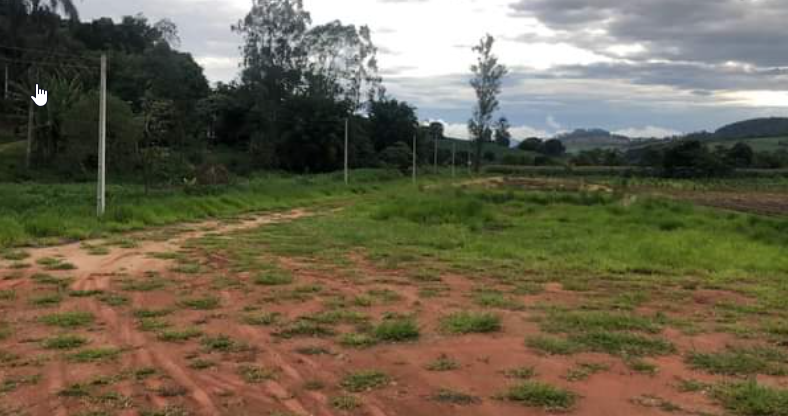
(637, 67)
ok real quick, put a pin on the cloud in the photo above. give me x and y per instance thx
(712, 31)
(552, 123)
(648, 132)
(460, 131)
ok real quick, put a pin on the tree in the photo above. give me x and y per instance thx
(398, 155)
(486, 82)
(503, 137)
(392, 121)
(531, 144)
(740, 155)
(553, 148)
(690, 158)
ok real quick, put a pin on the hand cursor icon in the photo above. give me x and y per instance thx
(40, 98)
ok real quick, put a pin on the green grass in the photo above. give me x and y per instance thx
(741, 361)
(39, 212)
(203, 303)
(356, 340)
(623, 344)
(64, 342)
(455, 397)
(553, 345)
(397, 330)
(582, 371)
(262, 318)
(345, 403)
(255, 374)
(73, 319)
(95, 355)
(541, 395)
(567, 322)
(179, 335)
(273, 278)
(52, 263)
(470, 322)
(752, 399)
(49, 299)
(443, 363)
(365, 380)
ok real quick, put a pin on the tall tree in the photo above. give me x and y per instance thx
(503, 137)
(486, 82)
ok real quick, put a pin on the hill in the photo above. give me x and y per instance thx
(586, 139)
(755, 128)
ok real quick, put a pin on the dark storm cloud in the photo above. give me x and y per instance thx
(713, 31)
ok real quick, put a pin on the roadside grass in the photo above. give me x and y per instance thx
(460, 323)
(45, 212)
(541, 395)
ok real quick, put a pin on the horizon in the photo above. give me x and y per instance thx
(572, 65)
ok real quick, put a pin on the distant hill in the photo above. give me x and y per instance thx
(755, 128)
(585, 139)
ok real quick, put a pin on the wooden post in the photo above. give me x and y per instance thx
(102, 149)
(5, 88)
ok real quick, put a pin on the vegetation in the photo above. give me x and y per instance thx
(535, 394)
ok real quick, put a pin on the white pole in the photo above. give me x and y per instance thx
(414, 158)
(347, 121)
(102, 150)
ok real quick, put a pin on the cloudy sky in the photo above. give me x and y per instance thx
(639, 67)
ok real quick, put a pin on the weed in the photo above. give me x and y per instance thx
(752, 399)
(313, 351)
(201, 364)
(455, 397)
(50, 299)
(356, 340)
(740, 362)
(52, 263)
(643, 367)
(545, 396)
(64, 342)
(95, 355)
(692, 386)
(222, 343)
(84, 293)
(204, 303)
(443, 363)
(623, 344)
(181, 335)
(151, 313)
(586, 321)
(496, 299)
(273, 278)
(303, 328)
(364, 381)
(582, 371)
(470, 322)
(113, 299)
(255, 374)
(262, 318)
(345, 403)
(522, 373)
(397, 330)
(152, 324)
(67, 319)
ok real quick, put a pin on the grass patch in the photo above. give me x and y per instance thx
(522, 373)
(180, 335)
(357, 340)
(345, 403)
(541, 395)
(53, 263)
(397, 330)
(203, 304)
(305, 328)
(364, 381)
(73, 319)
(64, 342)
(752, 399)
(740, 361)
(443, 363)
(273, 278)
(586, 321)
(262, 318)
(254, 374)
(623, 344)
(455, 397)
(46, 300)
(470, 322)
(95, 355)
(553, 345)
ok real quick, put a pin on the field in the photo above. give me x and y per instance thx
(763, 144)
(492, 296)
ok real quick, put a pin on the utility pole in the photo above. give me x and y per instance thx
(347, 122)
(102, 150)
(414, 158)
(453, 155)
